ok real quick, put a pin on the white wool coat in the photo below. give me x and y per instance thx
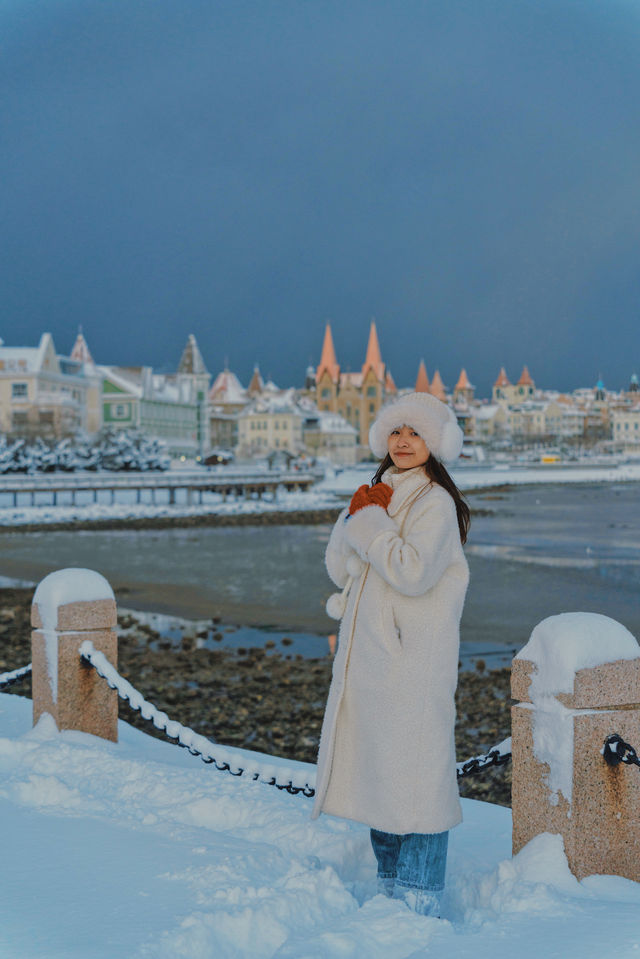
(387, 751)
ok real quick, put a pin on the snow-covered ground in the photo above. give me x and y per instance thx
(481, 477)
(138, 850)
(126, 508)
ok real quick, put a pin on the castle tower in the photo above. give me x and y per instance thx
(256, 386)
(327, 375)
(80, 351)
(463, 391)
(525, 385)
(193, 371)
(437, 388)
(422, 382)
(501, 387)
(372, 387)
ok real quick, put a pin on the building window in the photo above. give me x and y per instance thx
(18, 420)
(46, 417)
(325, 394)
(371, 391)
(18, 391)
(372, 407)
(120, 412)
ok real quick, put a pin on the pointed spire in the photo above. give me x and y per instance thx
(373, 359)
(256, 385)
(503, 379)
(389, 383)
(80, 351)
(191, 360)
(437, 387)
(422, 382)
(328, 360)
(463, 381)
(525, 378)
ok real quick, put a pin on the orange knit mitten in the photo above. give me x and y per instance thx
(380, 495)
(359, 499)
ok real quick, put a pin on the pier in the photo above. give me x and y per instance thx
(62, 489)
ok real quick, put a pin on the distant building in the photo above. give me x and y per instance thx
(45, 394)
(172, 407)
(355, 396)
(329, 435)
(227, 397)
(271, 423)
(626, 429)
(506, 392)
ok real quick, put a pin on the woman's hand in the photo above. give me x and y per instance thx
(378, 495)
(359, 499)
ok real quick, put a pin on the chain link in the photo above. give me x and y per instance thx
(183, 736)
(616, 751)
(498, 756)
(8, 679)
(198, 746)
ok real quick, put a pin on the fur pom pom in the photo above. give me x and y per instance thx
(336, 605)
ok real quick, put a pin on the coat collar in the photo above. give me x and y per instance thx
(407, 485)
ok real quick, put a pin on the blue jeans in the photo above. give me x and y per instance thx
(415, 862)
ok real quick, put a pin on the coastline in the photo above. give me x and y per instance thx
(310, 516)
(319, 505)
(256, 699)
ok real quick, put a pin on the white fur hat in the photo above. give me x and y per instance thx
(432, 419)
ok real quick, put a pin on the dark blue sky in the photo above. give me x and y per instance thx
(465, 171)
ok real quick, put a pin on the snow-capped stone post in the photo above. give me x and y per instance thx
(69, 606)
(577, 681)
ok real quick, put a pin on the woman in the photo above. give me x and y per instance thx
(387, 753)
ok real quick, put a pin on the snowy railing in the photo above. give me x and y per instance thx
(8, 679)
(292, 780)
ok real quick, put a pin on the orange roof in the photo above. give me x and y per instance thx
(503, 379)
(422, 383)
(389, 384)
(525, 378)
(437, 387)
(328, 360)
(463, 381)
(373, 359)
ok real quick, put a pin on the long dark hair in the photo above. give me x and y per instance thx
(437, 474)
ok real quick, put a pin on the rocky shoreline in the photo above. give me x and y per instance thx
(292, 517)
(256, 698)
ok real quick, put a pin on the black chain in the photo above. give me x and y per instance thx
(10, 678)
(481, 763)
(616, 751)
(307, 791)
(471, 767)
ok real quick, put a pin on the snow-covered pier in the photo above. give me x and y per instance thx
(62, 489)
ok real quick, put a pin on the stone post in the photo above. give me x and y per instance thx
(69, 606)
(561, 783)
